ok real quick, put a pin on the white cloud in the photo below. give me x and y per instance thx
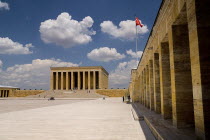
(134, 54)
(125, 31)
(120, 77)
(1, 64)
(34, 75)
(7, 46)
(66, 32)
(105, 54)
(4, 5)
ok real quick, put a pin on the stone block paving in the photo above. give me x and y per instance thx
(17, 104)
(99, 119)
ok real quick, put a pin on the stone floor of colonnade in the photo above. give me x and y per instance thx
(164, 128)
(97, 119)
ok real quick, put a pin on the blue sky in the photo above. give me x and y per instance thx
(28, 49)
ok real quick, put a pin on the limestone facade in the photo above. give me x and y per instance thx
(173, 75)
(112, 92)
(79, 78)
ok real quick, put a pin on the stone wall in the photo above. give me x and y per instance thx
(112, 92)
(24, 93)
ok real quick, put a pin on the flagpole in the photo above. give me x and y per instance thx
(136, 47)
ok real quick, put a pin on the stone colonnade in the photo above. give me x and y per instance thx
(4, 93)
(75, 80)
(7, 91)
(173, 76)
(78, 78)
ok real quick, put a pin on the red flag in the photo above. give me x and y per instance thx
(138, 22)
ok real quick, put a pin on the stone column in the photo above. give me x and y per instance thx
(78, 80)
(100, 79)
(88, 80)
(142, 83)
(142, 87)
(72, 80)
(147, 86)
(94, 80)
(67, 80)
(56, 80)
(165, 81)
(61, 80)
(151, 85)
(135, 95)
(199, 41)
(9, 92)
(144, 75)
(181, 80)
(83, 80)
(51, 80)
(156, 76)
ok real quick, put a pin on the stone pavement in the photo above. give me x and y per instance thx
(16, 104)
(99, 119)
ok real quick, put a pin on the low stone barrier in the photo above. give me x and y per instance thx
(112, 92)
(24, 93)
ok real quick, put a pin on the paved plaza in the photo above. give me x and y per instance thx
(97, 119)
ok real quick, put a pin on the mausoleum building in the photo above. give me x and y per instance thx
(78, 78)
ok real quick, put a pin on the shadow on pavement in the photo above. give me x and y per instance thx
(147, 132)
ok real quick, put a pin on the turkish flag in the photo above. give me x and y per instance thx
(138, 22)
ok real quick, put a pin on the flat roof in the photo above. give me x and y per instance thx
(83, 67)
(2, 86)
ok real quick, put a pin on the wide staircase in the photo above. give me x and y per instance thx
(67, 94)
